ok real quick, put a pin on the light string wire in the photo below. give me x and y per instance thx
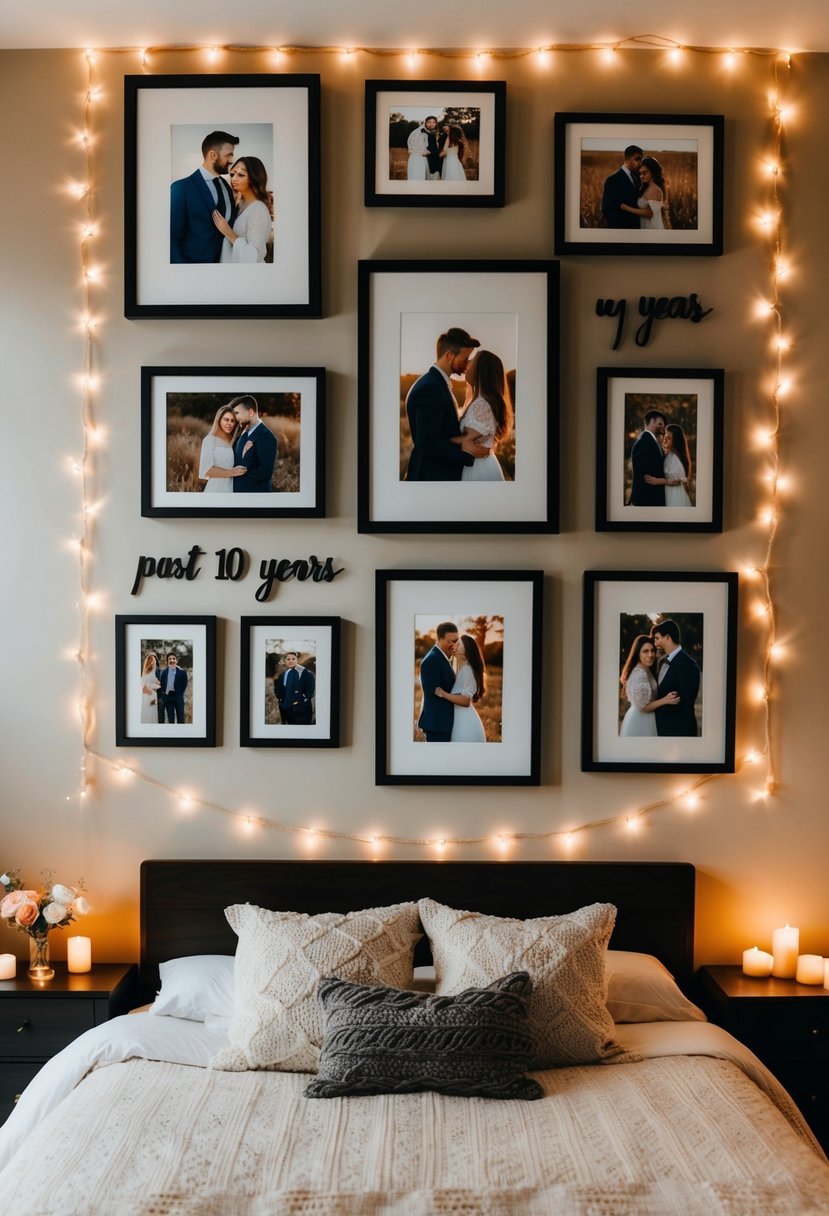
(686, 797)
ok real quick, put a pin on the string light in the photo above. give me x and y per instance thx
(771, 224)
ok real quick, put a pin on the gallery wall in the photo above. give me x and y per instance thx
(760, 860)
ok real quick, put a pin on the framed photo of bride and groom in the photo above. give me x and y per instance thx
(222, 196)
(639, 184)
(659, 671)
(457, 391)
(458, 661)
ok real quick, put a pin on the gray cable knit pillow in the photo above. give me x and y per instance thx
(380, 1040)
(565, 957)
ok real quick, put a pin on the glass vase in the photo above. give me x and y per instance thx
(39, 967)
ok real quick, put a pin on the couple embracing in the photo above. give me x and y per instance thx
(661, 682)
(453, 679)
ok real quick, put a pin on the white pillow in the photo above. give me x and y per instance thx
(197, 987)
(640, 989)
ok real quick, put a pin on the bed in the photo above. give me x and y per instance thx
(131, 1118)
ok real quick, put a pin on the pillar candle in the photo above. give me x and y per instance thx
(757, 962)
(809, 969)
(78, 954)
(8, 966)
(784, 946)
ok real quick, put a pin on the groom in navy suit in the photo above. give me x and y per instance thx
(193, 235)
(433, 415)
(437, 715)
(679, 673)
(255, 449)
(171, 693)
(647, 460)
(623, 187)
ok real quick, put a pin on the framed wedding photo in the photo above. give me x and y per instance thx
(222, 196)
(435, 143)
(458, 372)
(165, 681)
(458, 661)
(233, 441)
(659, 457)
(659, 672)
(290, 681)
(639, 183)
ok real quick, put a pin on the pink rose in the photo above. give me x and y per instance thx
(11, 903)
(27, 913)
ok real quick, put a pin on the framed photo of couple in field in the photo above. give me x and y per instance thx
(233, 441)
(290, 687)
(165, 681)
(659, 671)
(222, 196)
(435, 143)
(458, 677)
(659, 449)
(458, 396)
(639, 184)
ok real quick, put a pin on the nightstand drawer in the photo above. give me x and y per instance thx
(794, 1030)
(36, 1027)
(13, 1080)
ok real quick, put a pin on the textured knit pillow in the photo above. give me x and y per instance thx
(565, 957)
(383, 1041)
(281, 958)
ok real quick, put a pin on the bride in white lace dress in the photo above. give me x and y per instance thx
(651, 203)
(639, 687)
(452, 154)
(469, 687)
(677, 465)
(247, 241)
(487, 415)
(217, 466)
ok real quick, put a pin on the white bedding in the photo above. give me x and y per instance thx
(689, 1131)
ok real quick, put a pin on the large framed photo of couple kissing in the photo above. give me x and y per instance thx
(458, 373)
(659, 668)
(458, 677)
(222, 196)
(659, 449)
(639, 184)
(290, 686)
(165, 681)
(435, 143)
(233, 441)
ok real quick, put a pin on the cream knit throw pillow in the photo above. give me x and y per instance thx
(565, 957)
(281, 958)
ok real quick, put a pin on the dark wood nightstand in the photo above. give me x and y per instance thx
(37, 1020)
(786, 1024)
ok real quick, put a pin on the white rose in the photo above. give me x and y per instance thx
(55, 913)
(82, 905)
(4, 879)
(61, 894)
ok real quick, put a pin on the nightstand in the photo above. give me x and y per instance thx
(786, 1024)
(37, 1020)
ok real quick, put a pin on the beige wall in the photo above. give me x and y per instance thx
(759, 863)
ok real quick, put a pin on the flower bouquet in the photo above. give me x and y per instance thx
(35, 912)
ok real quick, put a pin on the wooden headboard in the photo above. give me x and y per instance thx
(183, 902)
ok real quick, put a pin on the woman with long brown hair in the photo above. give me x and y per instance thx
(640, 688)
(247, 241)
(487, 414)
(469, 687)
(452, 154)
(217, 466)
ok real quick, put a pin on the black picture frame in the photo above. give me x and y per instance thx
(316, 637)
(194, 640)
(692, 399)
(165, 119)
(402, 308)
(480, 108)
(621, 606)
(589, 149)
(505, 609)
(177, 406)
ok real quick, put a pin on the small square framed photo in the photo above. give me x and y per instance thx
(639, 184)
(458, 677)
(290, 681)
(458, 385)
(222, 196)
(435, 143)
(230, 441)
(659, 672)
(659, 457)
(165, 681)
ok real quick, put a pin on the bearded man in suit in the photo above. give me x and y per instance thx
(194, 236)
